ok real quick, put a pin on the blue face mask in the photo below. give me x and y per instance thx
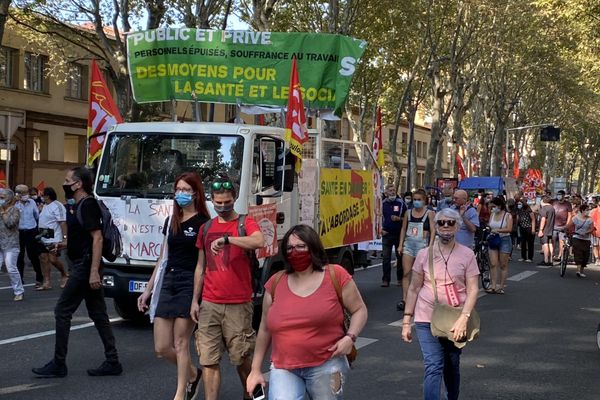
(2, 202)
(183, 199)
(71, 202)
(417, 203)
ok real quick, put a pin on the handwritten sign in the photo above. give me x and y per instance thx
(266, 217)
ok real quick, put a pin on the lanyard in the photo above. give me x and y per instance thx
(446, 260)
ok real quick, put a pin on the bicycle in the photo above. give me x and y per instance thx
(564, 258)
(483, 258)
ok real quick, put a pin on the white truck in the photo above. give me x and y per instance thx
(140, 161)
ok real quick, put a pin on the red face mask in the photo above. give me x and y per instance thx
(299, 260)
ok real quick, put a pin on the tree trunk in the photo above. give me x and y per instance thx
(4, 4)
(436, 133)
(411, 164)
(498, 150)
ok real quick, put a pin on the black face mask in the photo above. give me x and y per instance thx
(224, 211)
(69, 192)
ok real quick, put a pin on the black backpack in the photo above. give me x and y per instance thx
(112, 245)
(255, 271)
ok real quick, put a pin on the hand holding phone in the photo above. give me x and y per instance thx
(258, 393)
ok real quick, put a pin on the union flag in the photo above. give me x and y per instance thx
(378, 141)
(296, 133)
(103, 114)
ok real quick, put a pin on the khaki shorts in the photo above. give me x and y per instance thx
(225, 327)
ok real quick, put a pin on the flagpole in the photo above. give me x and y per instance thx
(8, 135)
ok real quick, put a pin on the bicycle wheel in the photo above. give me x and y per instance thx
(563, 261)
(484, 270)
(598, 336)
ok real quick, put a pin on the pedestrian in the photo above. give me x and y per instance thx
(457, 281)
(303, 323)
(223, 280)
(35, 196)
(483, 210)
(546, 230)
(84, 251)
(583, 227)
(52, 224)
(466, 233)
(393, 214)
(408, 199)
(500, 248)
(562, 217)
(416, 234)
(9, 240)
(448, 198)
(595, 216)
(28, 230)
(526, 223)
(173, 289)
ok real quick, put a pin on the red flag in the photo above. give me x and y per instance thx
(102, 115)
(516, 171)
(296, 133)
(378, 141)
(2, 179)
(41, 186)
(459, 166)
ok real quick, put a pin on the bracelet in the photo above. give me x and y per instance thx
(351, 336)
(408, 314)
(406, 323)
(468, 315)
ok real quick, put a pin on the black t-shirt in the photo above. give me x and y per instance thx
(183, 254)
(79, 241)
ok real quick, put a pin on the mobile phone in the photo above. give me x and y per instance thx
(258, 393)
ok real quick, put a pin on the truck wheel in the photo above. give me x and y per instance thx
(128, 310)
(348, 264)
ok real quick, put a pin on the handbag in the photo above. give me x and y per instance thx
(338, 290)
(444, 316)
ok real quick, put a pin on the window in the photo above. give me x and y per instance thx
(35, 80)
(8, 67)
(72, 144)
(404, 143)
(425, 150)
(37, 149)
(230, 112)
(418, 149)
(77, 81)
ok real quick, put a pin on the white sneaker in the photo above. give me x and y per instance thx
(528, 261)
(520, 259)
(581, 275)
(18, 297)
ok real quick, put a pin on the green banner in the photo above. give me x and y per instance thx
(241, 66)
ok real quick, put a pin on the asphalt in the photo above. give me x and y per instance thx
(538, 341)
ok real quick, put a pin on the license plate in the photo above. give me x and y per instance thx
(137, 286)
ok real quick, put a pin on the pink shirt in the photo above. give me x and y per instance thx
(461, 265)
(303, 328)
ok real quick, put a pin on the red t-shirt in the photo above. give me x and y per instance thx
(303, 328)
(227, 278)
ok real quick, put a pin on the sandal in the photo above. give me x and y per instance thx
(500, 291)
(43, 287)
(491, 291)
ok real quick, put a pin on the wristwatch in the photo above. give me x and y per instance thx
(351, 336)
(226, 238)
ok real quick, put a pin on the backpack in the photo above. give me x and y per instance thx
(255, 271)
(112, 245)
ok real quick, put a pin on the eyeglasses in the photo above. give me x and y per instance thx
(299, 247)
(446, 222)
(222, 185)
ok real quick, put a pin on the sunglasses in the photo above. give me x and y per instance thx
(446, 222)
(222, 185)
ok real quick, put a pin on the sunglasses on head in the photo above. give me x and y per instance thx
(446, 222)
(222, 185)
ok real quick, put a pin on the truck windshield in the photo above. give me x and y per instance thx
(146, 164)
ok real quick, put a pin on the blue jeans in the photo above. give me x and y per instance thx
(323, 382)
(441, 359)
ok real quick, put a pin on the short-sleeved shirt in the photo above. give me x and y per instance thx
(227, 277)
(595, 216)
(79, 238)
(393, 207)
(183, 254)
(548, 212)
(561, 213)
(464, 236)
(29, 214)
(461, 265)
(582, 228)
(50, 218)
(304, 328)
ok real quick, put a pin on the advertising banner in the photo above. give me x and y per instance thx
(346, 213)
(241, 66)
(266, 217)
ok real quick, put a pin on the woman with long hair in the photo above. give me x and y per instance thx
(9, 240)
(500, 244)
(582, 226)
(173, 325)
(526, 222)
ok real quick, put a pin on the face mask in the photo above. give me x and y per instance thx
(183, 199)
(408, 200)
(299, 260)
(24, 197)
(71, 202)
(417, 203)
(448, 198)
(2, 202)
(519, 206)
(69, 192)
(445, 238)
(560, 197)
(224, 210)
(586, 213)
(494, 209)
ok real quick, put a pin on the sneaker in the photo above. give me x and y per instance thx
(581, 275)
(528, 261)
(107, 368)
(18, 297)
(191, 390)
(385, 284)
(51, 370)
(521, 259)
(63, 281)
(400, 305)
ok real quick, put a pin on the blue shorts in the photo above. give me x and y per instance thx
(412, 246)
(505, 245)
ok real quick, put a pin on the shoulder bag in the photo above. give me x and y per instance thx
(444, 316)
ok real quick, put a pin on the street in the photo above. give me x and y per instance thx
(538, 341)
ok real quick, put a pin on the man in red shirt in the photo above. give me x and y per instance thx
(223, 279)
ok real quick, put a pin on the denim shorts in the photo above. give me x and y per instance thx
(412, 246)
(323, 382)
(505, 245)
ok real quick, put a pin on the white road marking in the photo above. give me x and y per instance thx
(544, 266)
(399, 323)
(52, 332)
(363, 342)
(23, 388)
(522, 275)
(10, 287)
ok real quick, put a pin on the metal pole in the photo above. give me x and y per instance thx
(8, 135)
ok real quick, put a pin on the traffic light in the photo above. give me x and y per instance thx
(550, 134)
